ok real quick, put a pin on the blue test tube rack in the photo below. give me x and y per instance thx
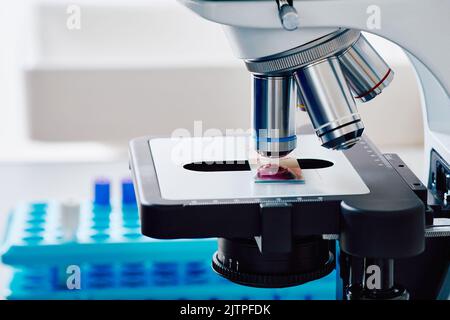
(115, 261)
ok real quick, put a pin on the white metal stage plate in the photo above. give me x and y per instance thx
(177, 183)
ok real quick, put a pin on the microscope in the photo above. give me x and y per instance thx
(360, 212)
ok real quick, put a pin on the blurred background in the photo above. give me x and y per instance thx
(72, 98)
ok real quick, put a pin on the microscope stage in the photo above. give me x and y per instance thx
(179, 196)
(178, 183)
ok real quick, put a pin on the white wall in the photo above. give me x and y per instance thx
(145, 67)
(13, 24)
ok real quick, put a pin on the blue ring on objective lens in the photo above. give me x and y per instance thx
(283, 139)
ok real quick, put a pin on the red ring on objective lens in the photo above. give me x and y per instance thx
(376, 86)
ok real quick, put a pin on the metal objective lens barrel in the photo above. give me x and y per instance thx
(329, 104)
(366, 72)
(274, 105)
